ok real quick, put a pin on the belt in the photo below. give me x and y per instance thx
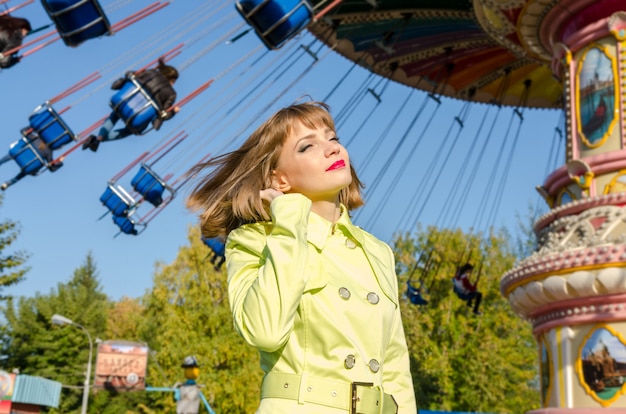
(354, 397)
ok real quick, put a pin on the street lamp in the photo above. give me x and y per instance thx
(62, 320)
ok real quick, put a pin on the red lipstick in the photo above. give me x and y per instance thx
(336, 165)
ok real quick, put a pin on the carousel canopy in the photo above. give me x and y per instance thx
(457, 48)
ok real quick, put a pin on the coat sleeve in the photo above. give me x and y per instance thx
(397, 379)
(267, 273)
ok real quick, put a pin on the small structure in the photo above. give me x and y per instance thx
(27, 394)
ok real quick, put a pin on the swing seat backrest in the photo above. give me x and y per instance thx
(134, 105)
(216, 244)
(147, 183)
(117, 200)
(276, 21)
(27, 156)
(77, 20)
(50, 127)
(128, 225)
(414, 295)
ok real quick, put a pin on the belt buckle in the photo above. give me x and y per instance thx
(353, 394)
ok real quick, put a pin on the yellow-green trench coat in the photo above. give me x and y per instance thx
(309, 316)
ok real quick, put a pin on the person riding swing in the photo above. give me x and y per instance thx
(465, 289)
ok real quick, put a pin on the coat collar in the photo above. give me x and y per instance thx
(319, 229)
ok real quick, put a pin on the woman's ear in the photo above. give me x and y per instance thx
(280, 181)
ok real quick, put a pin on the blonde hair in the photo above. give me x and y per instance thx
(228, 196)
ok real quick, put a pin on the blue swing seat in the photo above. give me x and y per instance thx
(276, 21)
(50, 127)
(128, 225)
(216, 244)
(415, 295)
(117, 200)
(77, 20)
(134, 105)
(27, 156)
(147, 183)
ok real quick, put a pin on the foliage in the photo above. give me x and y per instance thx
(10, 271)
(35, 346)
(125, 318)
(457, 356)
(459, 361)
(187, 313)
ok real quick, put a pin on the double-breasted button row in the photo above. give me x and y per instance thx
(345, 294)
(350, 361)
(374, 365)
(373, 298)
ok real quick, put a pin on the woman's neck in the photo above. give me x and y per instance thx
(329, 210)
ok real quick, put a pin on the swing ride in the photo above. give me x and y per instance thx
(504, 57)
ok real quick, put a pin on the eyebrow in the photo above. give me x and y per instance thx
(326, 131)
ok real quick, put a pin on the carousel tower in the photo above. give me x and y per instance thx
(573, 288)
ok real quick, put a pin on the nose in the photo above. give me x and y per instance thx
(332, 147)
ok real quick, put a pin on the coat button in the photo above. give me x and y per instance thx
(374, 365)
(344, 293)
(372, 298)
(349, 361)
(350, 244)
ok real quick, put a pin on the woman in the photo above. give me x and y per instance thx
(159, 83)
(12, 31)
(316, 295)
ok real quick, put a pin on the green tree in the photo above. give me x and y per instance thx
(124, 319)
(35, 346)
(187, 313)
(461, 361)
(11, 264)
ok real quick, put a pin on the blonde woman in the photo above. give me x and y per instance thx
(316, 295)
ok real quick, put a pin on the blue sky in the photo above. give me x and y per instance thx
(399, 146)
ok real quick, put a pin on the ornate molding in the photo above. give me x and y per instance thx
(579, 256)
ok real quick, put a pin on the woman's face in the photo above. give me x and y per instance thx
(312, 162)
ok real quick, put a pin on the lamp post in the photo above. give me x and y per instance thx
(62, 320)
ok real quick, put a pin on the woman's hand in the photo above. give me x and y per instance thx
(269, 194)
